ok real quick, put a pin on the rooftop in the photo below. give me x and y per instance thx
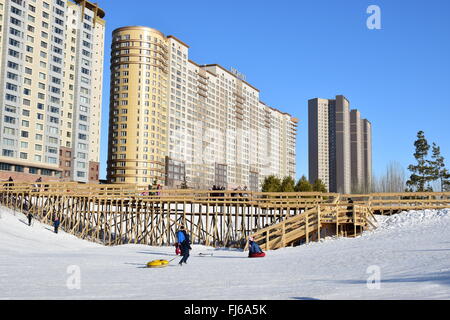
(92, 6)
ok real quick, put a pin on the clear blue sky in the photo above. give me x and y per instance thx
(398, 77)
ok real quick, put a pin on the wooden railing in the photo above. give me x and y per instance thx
(345, 219)
(119, 214)
(390, 203)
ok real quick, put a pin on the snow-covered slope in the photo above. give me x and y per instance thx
(411, 252)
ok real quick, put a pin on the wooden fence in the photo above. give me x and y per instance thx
(325, 220)
(121, 214)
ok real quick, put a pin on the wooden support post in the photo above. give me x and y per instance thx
(318, 223)
(307, 226)
(336, 214)
(168, 224)
(207, 240)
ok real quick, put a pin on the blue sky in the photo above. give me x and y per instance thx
(398, 77)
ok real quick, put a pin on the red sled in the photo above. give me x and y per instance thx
(177, 249)
(257, 255)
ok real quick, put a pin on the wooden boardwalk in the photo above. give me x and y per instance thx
(123, 214)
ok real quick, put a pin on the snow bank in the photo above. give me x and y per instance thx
(411, 251)
(413, 218)
(17, 237)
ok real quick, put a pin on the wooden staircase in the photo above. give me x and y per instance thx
(328, 219)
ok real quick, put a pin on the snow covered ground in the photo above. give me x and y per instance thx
(410, 252)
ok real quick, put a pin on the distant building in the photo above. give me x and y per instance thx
(173, 121)
(340, 145)
(357, 150)
(51, 67)
(367, 155)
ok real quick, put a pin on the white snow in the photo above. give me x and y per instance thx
(411, 250)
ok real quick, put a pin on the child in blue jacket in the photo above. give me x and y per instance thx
(185, 245)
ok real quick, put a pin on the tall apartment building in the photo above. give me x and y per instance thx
(357, 150)
(340, 145)
(367, 154)
(51, 55)
(361, 141)
(174, 121)
(319, 136)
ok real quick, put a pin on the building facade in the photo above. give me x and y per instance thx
(340, 146)
(367, 154)
(174, 122)
(357, 151)
(50, 89)
(319, 141)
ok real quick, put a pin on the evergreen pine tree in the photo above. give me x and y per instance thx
(319, 186)
(446, 181)
(271, 184)
(422, 172)
(438, 170)
(303, 185)
(288, 185)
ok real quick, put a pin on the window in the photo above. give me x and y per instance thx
(8, 142)
(51, 160)
(11, 97)
(5, 167)
(14, 53)
(15, 21)
(82, 155)
(10, 109)
(81, 174)
(9, 131)
(11, 87)
(10, 120)
(14, 42)
(34, 170)
(8, 153)
(13, 65)
(12, 76)
(46, 172)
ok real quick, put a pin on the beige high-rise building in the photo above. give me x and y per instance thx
(174, 121)
(342, 148)
(367, 155)
(138, 106)
(319, 140)
(50, 89)
(361, 133)
(338, 153)
(357, 151)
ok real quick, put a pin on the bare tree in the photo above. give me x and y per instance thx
(394, 180)
(359, 187)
